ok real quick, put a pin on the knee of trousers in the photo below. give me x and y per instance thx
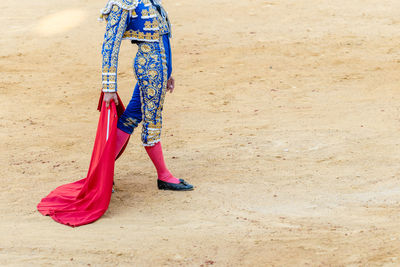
(128, 124)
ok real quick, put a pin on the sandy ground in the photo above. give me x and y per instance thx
(285, 116)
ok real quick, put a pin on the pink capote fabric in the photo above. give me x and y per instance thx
(86, 200)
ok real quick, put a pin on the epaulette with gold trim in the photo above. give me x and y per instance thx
(124, 4)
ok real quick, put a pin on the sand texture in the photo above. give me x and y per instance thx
(285, 117)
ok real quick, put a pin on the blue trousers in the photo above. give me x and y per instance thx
(152, 67)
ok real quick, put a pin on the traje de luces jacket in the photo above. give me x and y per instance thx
(136, 20)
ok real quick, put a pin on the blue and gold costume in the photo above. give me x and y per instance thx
(145, 23)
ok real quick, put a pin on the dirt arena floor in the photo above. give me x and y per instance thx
(286, 117)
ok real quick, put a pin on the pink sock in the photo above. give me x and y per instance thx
(122, 137)
(156, 155)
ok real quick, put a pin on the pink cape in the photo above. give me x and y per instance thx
(86, 200)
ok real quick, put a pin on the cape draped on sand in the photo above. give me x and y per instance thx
(86, 200)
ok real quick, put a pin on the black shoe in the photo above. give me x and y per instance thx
(182, 186)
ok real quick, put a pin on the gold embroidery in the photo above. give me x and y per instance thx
(141, 35)
(131, 34)
(163, 24)
(124, 4)
(142, 61)
(147, 24)
(131, 122)
(151, 105)
(145, 13)
(110, 86)
(153, 73)
(152, 83)
(151, 92)
(109, 78)
(151, 25)
(109, 69)
(145, 48)
(120, 32)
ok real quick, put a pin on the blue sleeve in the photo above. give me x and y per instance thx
(116, 26)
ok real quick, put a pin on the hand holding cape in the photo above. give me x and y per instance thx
(86, 200)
